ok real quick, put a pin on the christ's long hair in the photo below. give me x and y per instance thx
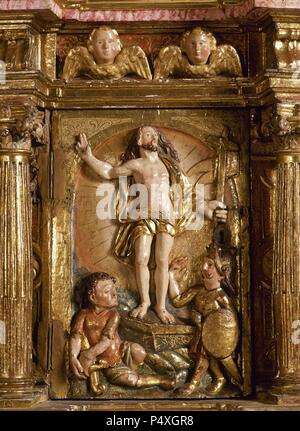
(164, 147)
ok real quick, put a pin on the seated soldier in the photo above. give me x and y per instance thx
(95, 343)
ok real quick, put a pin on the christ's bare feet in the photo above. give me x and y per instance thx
(140, 311)
(164, 315)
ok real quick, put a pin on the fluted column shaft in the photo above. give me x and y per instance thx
(286, 280)
(15, 271)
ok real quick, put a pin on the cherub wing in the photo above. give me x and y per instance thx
(78, 61)
(168, 59)
(135, 61)
(225, 61)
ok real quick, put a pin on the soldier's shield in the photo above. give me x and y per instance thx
(220, 333)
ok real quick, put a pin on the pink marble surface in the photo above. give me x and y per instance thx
(162, 14)
(32, 4)
(150, 14)
(284, 4)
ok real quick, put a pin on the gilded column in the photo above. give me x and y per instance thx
(286, 258)
(16, 376)
(283, 77)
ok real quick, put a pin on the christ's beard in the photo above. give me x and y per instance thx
(149, 147)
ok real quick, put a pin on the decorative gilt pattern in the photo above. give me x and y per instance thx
(48, 58)
(95, 126)
(157, 337)
(198, 56)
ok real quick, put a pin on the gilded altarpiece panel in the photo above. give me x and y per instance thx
(263, 183)
(82, 243)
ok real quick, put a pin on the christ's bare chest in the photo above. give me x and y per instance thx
(148, 173)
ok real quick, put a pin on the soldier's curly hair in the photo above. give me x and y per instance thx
(89, 283)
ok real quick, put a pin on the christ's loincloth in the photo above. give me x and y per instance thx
(128, 233)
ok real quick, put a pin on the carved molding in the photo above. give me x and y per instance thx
(95, 5)
(17, 49)
(287, 46)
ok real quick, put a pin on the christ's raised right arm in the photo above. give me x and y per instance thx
(103, 169)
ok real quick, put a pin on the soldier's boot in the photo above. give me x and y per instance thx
(218, 378)
(97, 384)
(190, 387)
(164, 382)
(232, 369)
(216, 386)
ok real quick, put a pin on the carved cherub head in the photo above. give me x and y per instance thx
(104, 44)
(198, 44)
(99, 290)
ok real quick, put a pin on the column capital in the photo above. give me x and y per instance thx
(291, 144)
(289, 137)
(20, 128)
